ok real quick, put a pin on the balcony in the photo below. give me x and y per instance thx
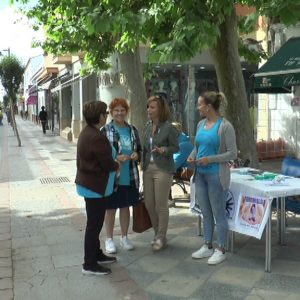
(62, 59)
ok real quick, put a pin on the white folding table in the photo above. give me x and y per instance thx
(290, 187)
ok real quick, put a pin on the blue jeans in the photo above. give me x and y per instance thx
(212, 200)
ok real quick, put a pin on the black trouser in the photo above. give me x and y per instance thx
(44, 126)
(95, 211)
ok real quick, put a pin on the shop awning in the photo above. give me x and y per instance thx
(281, 71)
(32, 100)
(32, 95)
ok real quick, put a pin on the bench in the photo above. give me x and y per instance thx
(182, 180)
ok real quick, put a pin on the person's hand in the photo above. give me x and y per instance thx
(134, 156)
(123, 157)
(202, 161)
(118, 171)
(159, 150)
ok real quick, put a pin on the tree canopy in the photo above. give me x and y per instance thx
(173, 29)
(11, 75)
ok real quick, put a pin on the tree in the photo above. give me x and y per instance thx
(182, 29)
(174, 30)
(70, 27)
(11, 75)
(5, 101)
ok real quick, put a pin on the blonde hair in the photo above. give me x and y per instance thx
(214, 99)
(163, 107)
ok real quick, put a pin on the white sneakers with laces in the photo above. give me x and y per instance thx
(110, 246)
(203, 252)
(126, 244)
(217, 257)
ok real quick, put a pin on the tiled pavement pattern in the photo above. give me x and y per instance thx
(41, 241)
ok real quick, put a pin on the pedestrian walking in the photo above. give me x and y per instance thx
(215, 146)
(43, 116)
(124, 138)
(8, 115)
(1, 116)
(160, 143)
(94, 181)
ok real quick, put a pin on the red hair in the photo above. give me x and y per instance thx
(118, 102)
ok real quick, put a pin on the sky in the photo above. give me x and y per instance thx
(16, 34)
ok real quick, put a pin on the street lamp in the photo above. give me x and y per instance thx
(7, 50)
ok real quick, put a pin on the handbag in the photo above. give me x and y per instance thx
(140, 217)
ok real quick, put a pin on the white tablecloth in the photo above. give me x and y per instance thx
(250, 201)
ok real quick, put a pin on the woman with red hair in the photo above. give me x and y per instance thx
(125, 139)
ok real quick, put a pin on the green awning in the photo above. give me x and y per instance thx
(281, 71)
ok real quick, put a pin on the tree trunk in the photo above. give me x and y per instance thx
(231, 83)
(13, 120)
(135, 88)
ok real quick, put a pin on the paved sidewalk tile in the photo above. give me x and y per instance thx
(5, 253)
(5, 244)
(6, 272)
(5, 236)
(6, 283)
(42, 240)
(5, 262)
(6, 294)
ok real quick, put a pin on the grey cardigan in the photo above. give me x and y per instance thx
(166, 136)
(227, 151)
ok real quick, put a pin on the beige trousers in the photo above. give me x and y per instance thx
(157, 185)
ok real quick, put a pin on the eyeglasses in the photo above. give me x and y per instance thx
(105, 113)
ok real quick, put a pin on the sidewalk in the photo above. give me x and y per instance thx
(41, 240)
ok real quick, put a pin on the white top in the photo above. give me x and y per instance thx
(151, 157)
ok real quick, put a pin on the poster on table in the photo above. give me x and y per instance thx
(252, 215)
(246, 214)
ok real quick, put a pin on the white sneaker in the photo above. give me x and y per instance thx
(110, 246)
(203, 252)
(126, 244)
(217, 257)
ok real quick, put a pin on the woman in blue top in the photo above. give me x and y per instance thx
(125, 140)
(215, 146)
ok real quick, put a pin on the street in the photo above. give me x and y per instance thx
(42, 224)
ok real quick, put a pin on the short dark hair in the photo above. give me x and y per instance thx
(92, 111)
